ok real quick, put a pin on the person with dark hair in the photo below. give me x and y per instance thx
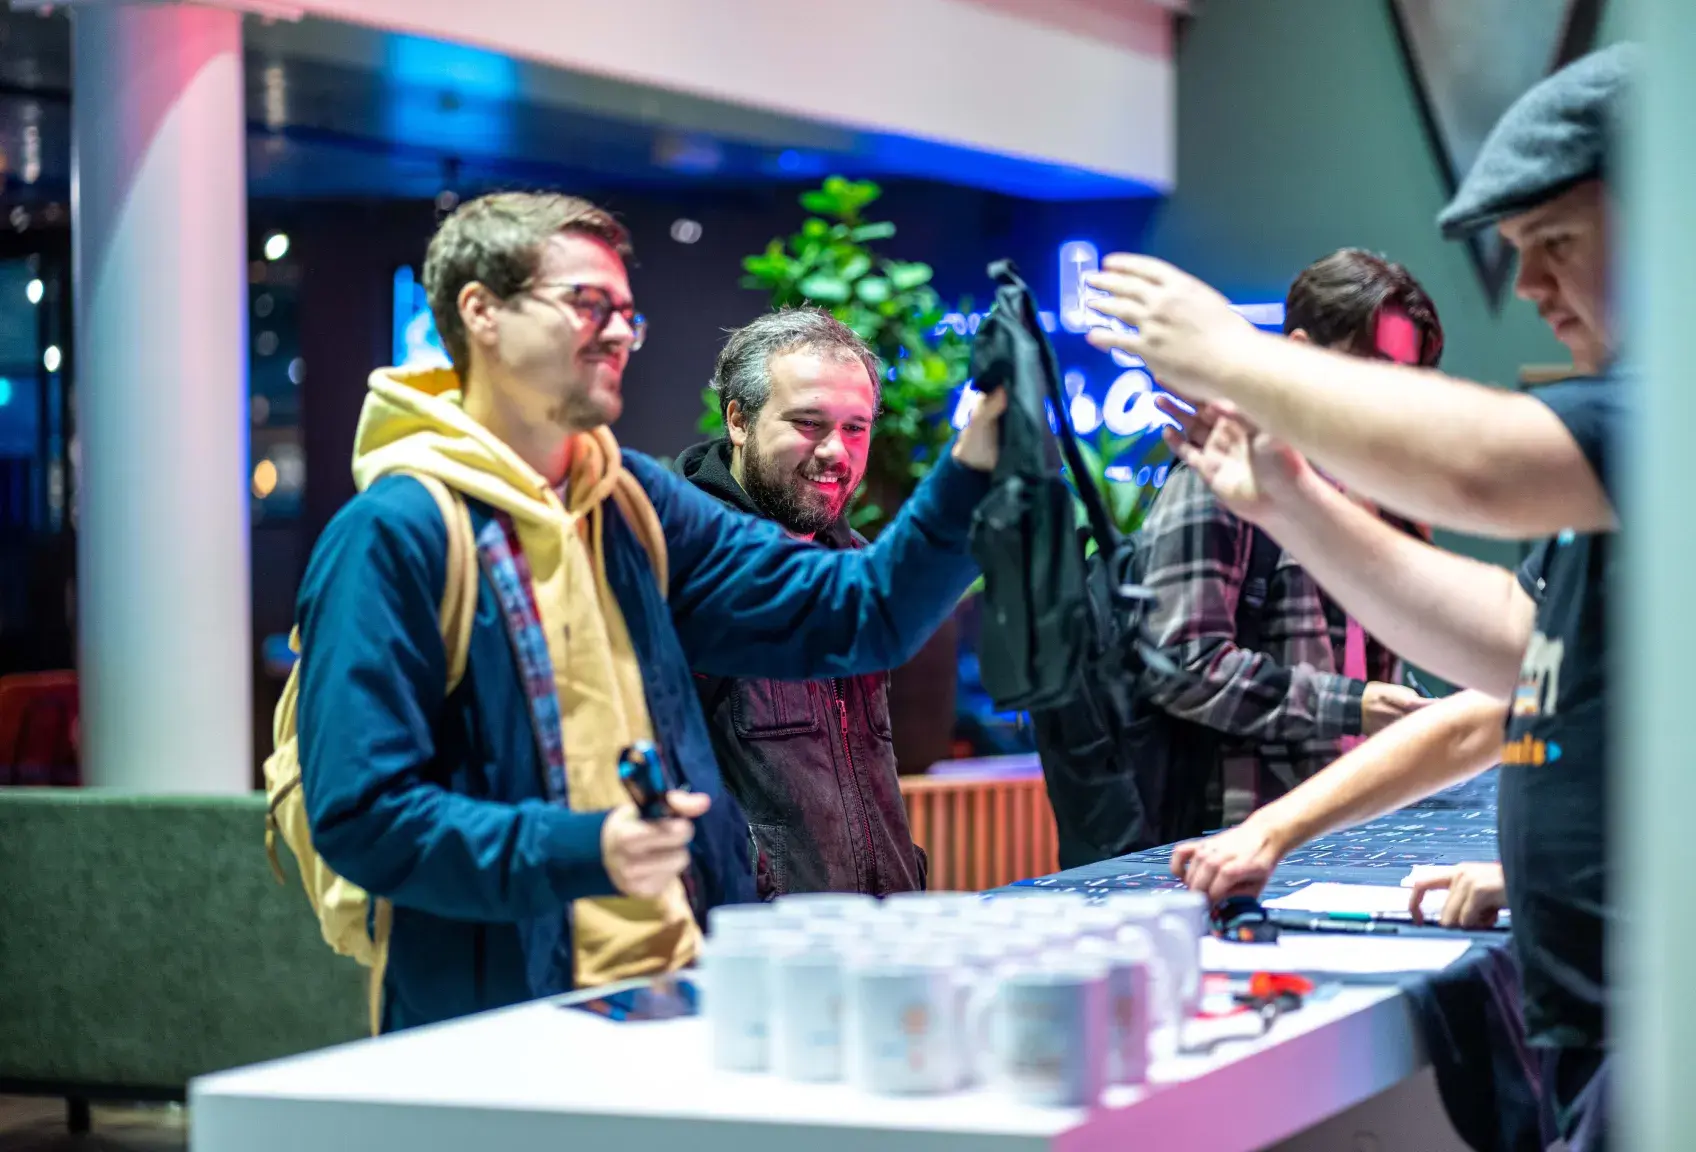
(1360, 303)
(1288, 699)
(469, 779)
(811, 762)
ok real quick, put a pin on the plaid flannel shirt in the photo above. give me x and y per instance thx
(1285, 707)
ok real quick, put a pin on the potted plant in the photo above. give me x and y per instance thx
(830, 263)
(1127, 501)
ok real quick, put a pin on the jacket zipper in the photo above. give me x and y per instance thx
(854, 775)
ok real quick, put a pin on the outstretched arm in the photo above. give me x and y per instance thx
(1464, 620)
(1197, 559)
(749, 600)
(1434, 448)
(1454, 739)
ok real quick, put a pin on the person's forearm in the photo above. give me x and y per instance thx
(1452, 740)
(1438, 450)
(1462, 619)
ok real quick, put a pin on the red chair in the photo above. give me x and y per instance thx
(39, 728)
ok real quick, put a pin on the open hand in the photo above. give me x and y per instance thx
(1235, 862)
(1185, 332)
(1249, 471)
(1477, 895)
(642, 856)
(979, 444)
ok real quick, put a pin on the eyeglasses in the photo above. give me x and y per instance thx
(595, 305)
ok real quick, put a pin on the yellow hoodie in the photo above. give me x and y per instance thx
(413, 420)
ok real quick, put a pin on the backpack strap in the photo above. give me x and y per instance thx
(1263, 554)
(459, 589)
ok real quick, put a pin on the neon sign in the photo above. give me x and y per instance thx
(1078, 258)
(416, 344)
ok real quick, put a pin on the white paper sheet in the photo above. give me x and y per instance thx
(1329, 897)
(1335, 953)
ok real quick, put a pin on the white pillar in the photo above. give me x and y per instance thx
(1654, 956)
(159, 206)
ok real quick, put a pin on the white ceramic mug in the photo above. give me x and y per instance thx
(1044, 1029)
(904, 1024)
(1178, 941)
(1192, 905)
(735, 999)
(728, 919)
(806, 1007)
(1130, 979)
(809, 906)
(927, 906)
(1171, 919)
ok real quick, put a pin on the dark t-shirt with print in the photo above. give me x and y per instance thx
(1553, 791)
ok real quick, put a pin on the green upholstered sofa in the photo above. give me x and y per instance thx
(144, 940)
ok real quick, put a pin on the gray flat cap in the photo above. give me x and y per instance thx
(1558, 134)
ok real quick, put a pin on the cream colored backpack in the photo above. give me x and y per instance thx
(344, 909)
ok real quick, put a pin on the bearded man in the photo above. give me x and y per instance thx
(812, 762)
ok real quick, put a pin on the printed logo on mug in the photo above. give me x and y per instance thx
(915, 1025)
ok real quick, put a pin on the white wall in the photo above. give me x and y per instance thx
(1086, 84)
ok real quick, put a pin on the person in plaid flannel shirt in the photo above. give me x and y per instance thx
(1317, 682)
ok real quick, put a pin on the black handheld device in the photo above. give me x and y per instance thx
(1244, 920)
(642, 771)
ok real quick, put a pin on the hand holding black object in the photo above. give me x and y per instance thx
(642, 771)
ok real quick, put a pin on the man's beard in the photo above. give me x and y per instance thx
(788, 498)
(583, 406)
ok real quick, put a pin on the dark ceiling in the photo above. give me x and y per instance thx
(341, 111)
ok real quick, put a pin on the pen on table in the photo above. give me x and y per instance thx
(1360, 923)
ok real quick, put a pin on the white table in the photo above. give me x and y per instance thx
(541, 1076)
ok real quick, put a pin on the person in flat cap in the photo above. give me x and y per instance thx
(1277, 425)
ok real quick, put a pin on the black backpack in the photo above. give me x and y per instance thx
(1063, 634)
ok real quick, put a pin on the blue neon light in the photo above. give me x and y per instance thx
(1078, 258)
(423, 73)
(415, 341)
(440, 64)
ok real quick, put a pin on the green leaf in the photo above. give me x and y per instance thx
(907, 277)
(825, 203)
(1093, 465)
(712, 418)
(860, 193)
(865, 514)
(882, 230)
(815, 229)
(825, 288)
(873, 289)
(770, 265)
(1123, 501)
(854, 267)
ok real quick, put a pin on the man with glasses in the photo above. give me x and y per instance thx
(488, 806)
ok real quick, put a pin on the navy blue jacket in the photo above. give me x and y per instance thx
(437, 803)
